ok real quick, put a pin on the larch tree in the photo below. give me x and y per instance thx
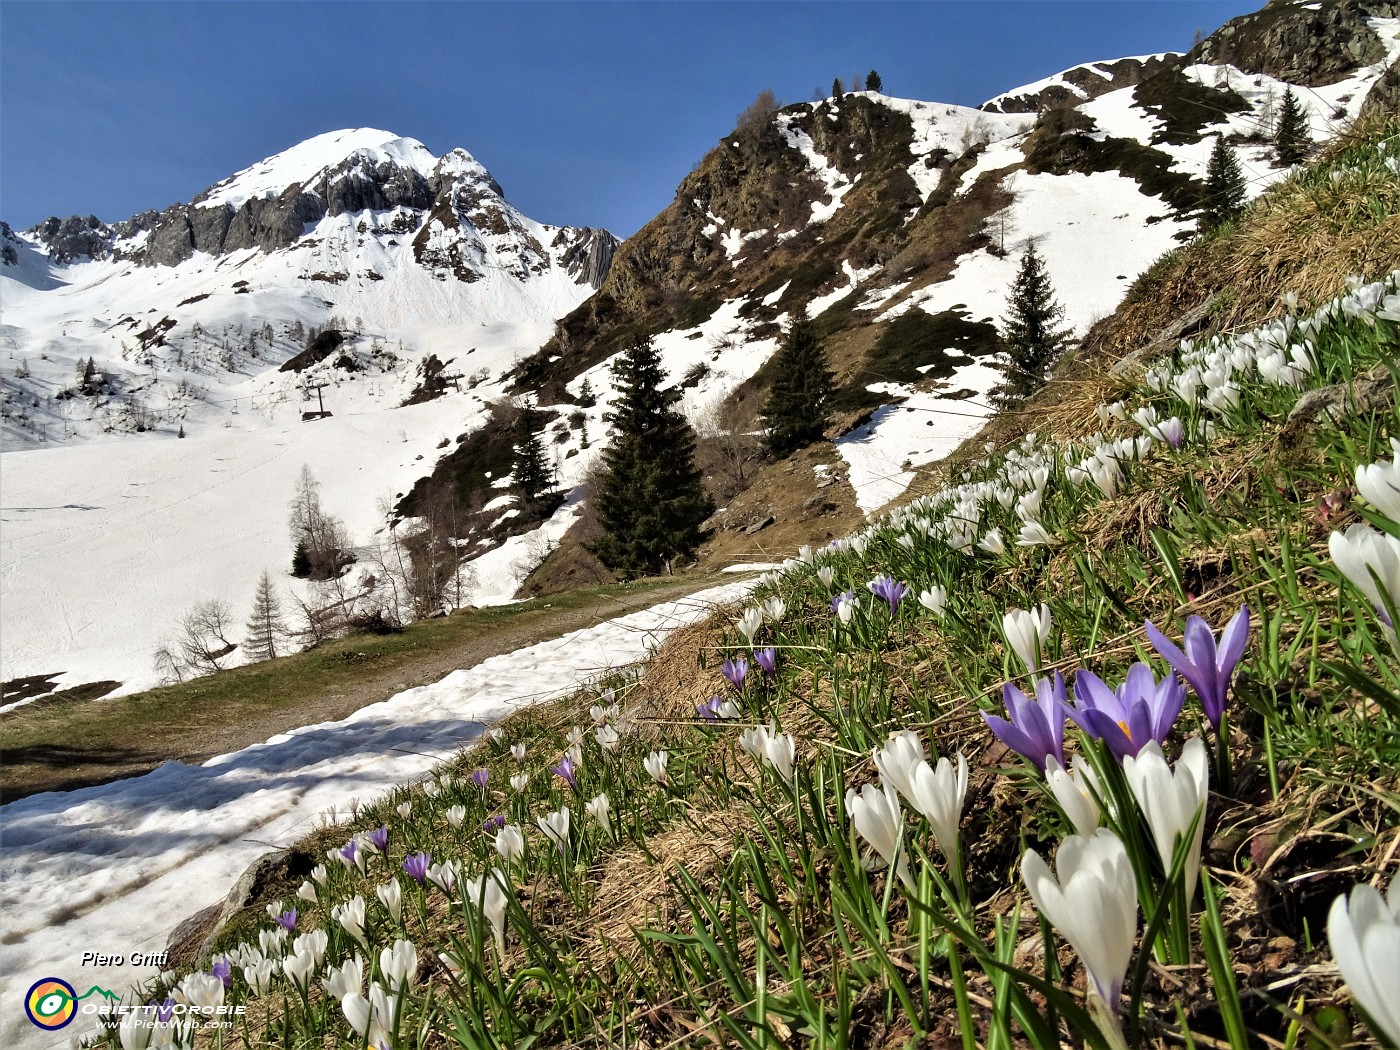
(650, 499)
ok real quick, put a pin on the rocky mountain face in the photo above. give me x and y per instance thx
(450, 209)
(783, 212)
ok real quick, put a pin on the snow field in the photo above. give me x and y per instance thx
(114, 868)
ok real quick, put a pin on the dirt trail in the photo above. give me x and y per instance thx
(57, 748)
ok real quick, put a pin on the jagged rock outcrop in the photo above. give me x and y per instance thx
(587, 253)
(1081, 84)
(75, 237)
(1306, 43)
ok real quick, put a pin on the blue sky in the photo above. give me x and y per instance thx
(586, 113)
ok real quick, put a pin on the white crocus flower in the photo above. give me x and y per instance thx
(608, 738)
(935, 599)
(897, 760)
(314, 941)
(399, 964)
(320, 875)
(299, 966)
(431, 788)
(574, 737)
(403, 809)
(1034, 534)
(351, 916)
(519, 782)
(1091, 898)
(1371, 561)
(138, 1025)
(993, 542)
(755, 741)
(341, 980)
(390, 895)
(1171, 799)
(372, 1017)
(307, 892)
(827, 575)
(489, 894)
(846, 608)
(444, 876)
(259, 976)
(1379, 483)
(517, 752)
(655, 765)
(939, 794)
(274, 910)
(1027, 632)
(782, 752)
(272, 941)
(455, 815)
(749, 623)
(600, 809)
(1364, 931)
(1074, 791)
(774, 608)
(510, 843)
(880, 821)
(556, 827)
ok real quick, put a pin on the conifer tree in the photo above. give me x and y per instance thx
(301, 560)
(873, 82)
(586, 397)
(1030, 337)
(1224, 194)
(1291, 133)
(649, 498)
(266, 630)
(533, 474)
(796, 413)
(837, 90)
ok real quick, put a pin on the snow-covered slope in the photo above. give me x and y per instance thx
(868, 211)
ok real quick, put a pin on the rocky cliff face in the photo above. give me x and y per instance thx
(1301, 41)
(1079, 84)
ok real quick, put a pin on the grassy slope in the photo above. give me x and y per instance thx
(729, 908)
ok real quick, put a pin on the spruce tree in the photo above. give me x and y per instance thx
(1291, 139)
(836, 88)
(873, 82)
(796, 412)
(649, 497)
(1224, 193)
(533, 475)
(1030, 337)
(301, 560)
(266, 630)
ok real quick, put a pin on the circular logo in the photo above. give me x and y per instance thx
(51, 1003)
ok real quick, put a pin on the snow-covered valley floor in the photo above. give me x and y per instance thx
(114, 868)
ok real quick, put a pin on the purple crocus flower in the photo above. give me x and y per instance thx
(479, 778)
(1139, 710)
(288, 920)
(378, 838)
(890, 590)
(165, 1010)
(709, 710)
(734, 671)
(1037, 727)
(350, 850)
(565, 769)
(844, 596)
(1206, 665)
(416, 864)
(493, 823)
(767, 659)
(223, 970)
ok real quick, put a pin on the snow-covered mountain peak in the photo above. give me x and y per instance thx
(305, 162)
